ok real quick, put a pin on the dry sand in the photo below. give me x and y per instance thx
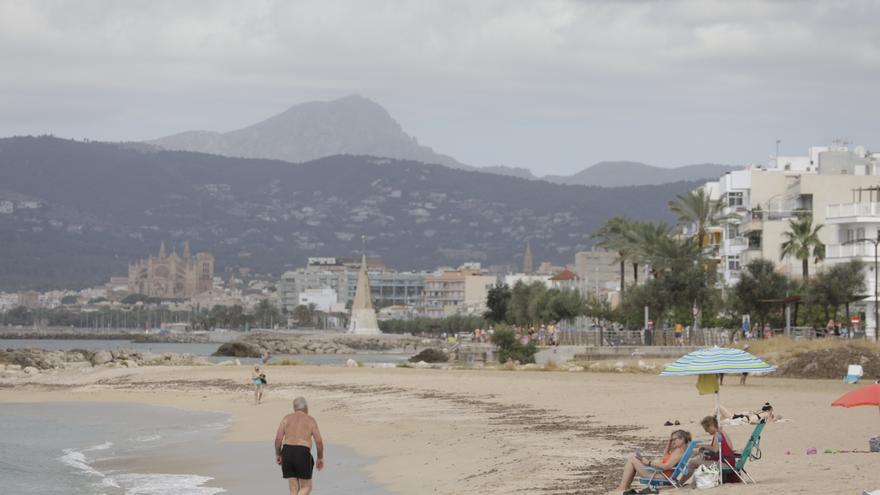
(468, 431)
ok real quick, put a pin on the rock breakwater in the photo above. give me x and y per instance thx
(13, 361)
(256, 343)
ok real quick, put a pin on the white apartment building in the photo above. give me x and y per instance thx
(829, 182)
(854, 224)
(324, 299)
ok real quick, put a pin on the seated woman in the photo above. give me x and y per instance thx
(636, 464)
(708, 453)
(766, 414)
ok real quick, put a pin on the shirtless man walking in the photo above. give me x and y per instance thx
(293, 448)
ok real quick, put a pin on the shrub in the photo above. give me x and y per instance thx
(510, 348)
(285, 362)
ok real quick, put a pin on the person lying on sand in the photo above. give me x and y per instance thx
(707, 453)
(766, 413)
(636, 464)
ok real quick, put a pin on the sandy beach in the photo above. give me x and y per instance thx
(470, 431)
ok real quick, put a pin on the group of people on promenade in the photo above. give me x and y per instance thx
(540, 335)
(705, 453)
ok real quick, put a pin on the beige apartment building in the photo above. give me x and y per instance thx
(462, 291)
(599, 270)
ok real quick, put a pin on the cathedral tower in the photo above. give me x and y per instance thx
(528, 262)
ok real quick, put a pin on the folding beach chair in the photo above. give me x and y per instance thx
(752, 450)
(853, 373)
(659, 478)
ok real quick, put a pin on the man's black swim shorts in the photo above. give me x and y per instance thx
(297, 462)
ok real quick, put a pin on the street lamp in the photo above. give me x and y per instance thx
(875, 242)
(777, 152)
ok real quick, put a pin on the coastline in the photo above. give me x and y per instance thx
(469, 431)
(118, 447)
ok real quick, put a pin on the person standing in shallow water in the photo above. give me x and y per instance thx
(293, 448)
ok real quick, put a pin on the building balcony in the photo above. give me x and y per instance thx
(755, 223)
(749, 255)
(738, 242)
(855, 250)
(852, 212)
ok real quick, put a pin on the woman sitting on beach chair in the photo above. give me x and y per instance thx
(766, 414)
(708, 453)
(636, 464)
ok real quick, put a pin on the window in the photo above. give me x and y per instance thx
(732, 231)
(734, 199)
(733, 263)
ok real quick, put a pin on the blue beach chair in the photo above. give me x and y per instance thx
(659, 479)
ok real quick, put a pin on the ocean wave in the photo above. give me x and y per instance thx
(218, 425)
(147, 438)
(78, 460)
(164, 484)
(100, 446)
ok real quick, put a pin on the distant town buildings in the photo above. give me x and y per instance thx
(388, 287)
(29, 299)
(172, 276)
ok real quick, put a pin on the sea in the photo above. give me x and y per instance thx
(112, 448)
(196, 349)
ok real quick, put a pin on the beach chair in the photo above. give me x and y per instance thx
(752, 450)
(659, 478)
(853, 373)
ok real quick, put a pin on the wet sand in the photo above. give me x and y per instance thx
(467, 431)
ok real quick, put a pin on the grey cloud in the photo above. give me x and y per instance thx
(552, 85)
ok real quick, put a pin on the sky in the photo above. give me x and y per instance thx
(552, 85)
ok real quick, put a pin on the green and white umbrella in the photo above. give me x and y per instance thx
(715, 361)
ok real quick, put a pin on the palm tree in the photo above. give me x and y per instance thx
(643, 238)
(697, 208)
(613, 237)
(802, 242)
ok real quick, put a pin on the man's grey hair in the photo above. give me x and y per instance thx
(300, 404)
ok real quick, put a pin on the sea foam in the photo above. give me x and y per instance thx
(164, 484)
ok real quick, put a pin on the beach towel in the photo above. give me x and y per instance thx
(707, 384)
(734, 422)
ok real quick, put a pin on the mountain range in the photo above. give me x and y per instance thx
(74, 213)
(355, 125)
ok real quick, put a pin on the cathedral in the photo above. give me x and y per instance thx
(170, 276)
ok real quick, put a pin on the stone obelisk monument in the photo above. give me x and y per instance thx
(363, 316)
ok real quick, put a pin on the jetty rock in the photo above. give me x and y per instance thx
(101, 357)
(42, 359)
(254, 344)
(239, 349)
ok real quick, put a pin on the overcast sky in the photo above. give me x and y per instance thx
(551, 85)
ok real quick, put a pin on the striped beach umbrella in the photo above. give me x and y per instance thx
(717, 360)
(709, 363)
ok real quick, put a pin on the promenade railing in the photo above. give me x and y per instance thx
(608, 336)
